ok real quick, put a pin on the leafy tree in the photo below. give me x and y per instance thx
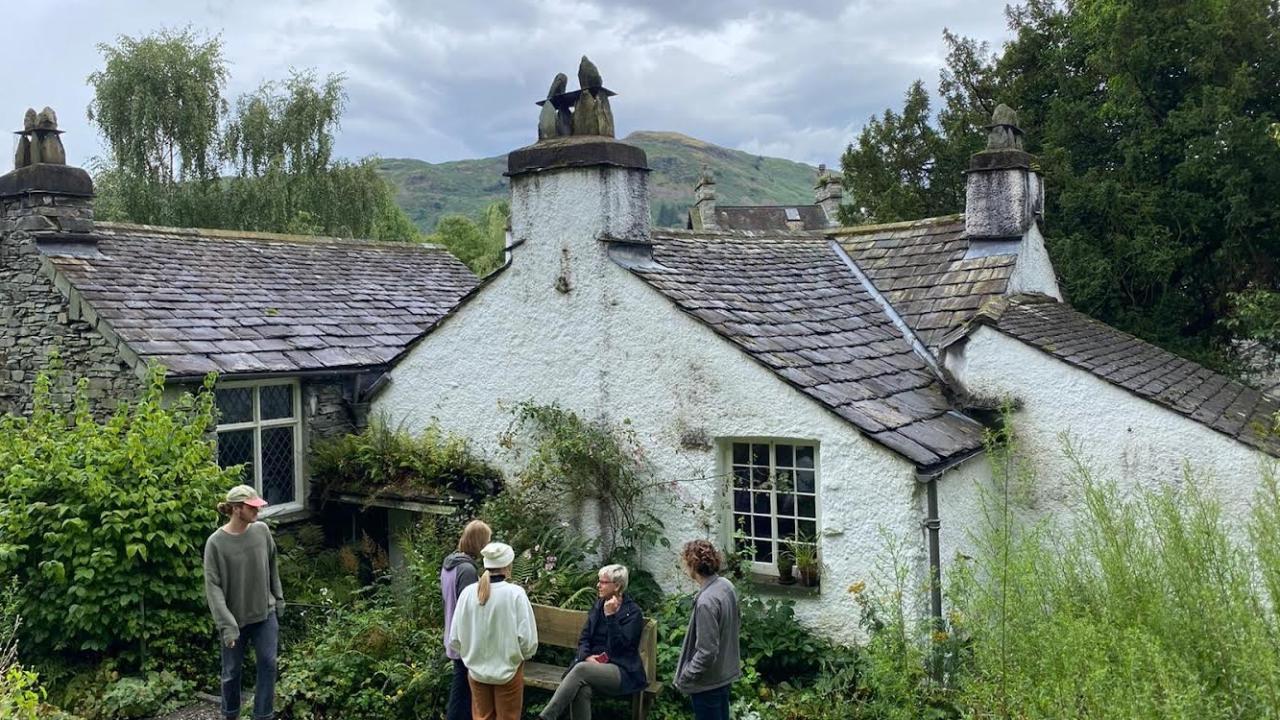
(167, 161)
(102, 524)
(1155, 126)
(891, 172)
(479, 246)
(158, 103)
(669, 216)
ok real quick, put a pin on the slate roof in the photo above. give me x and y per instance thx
(233, 302)
(920, 267)
(764, 218)
(791, 304)
(1187, 388)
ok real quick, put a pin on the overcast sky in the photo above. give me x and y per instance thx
(448, 81)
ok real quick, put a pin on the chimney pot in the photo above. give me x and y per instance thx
(43, 194)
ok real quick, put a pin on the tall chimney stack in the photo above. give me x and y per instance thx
(704, 207)
(44, 195)
(827, 194)
(576, 186)
(1004, 206)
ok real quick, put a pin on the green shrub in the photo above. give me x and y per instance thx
(104, 524)
(386, 457)
(371, 660)
(1150, 604)
(20, 693)
(156, 693)
(555, 564)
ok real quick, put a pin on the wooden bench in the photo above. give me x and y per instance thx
(562, 628)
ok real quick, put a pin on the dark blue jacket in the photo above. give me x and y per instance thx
(621, 634)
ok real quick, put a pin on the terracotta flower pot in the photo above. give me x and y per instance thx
(809, 576)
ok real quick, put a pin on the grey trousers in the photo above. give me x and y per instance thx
(578, 685)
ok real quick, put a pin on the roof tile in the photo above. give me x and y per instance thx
(204, 300)
(1226, 405)
(791, 304)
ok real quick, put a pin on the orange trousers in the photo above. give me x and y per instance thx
(498, 702)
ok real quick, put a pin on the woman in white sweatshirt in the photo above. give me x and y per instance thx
(494, 632)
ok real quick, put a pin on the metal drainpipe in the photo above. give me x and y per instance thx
(933, 524)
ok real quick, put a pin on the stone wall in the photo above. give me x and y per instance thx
(36, 319)
(326, 411)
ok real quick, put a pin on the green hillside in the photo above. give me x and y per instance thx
(428, 191)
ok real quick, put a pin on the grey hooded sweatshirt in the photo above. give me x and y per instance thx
(457, 572)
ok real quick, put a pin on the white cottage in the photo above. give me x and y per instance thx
(852, 363)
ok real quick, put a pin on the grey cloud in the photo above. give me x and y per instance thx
(442, 81)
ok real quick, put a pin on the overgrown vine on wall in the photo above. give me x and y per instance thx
(574, 460)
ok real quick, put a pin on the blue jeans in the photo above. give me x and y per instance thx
(459, 707)
(711, 705)
(265, 636)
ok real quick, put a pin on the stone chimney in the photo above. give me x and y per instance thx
(576, 186)
(1004, 206)
(827, 194)
(44, 195)
(704, 207)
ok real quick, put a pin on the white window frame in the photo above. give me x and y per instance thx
(726, 446)
(257, 425)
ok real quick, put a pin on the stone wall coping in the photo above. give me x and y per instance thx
(575, 152)
(46, 178)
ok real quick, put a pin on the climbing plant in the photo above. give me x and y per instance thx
(580, 460)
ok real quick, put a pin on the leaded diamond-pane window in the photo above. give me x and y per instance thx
(277, 464)
(259, 428)
(235, 447)
(774, 496)
(235, 405)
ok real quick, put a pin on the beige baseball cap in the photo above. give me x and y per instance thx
(245, 494)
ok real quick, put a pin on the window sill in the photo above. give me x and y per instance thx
(769, 585)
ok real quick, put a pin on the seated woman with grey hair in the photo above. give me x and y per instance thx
(608, 658)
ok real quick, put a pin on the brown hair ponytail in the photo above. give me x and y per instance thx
(483, 588)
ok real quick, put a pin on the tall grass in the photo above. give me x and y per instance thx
(1144, 604)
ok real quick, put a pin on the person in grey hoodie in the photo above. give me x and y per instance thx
(457, 572)
(709, 659)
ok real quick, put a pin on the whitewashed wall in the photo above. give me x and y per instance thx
(613, 346)
(1135, 442)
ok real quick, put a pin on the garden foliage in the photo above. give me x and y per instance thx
(104, 524)
(20, 692)
(385, 456)
(571, 461)
(1148, 605)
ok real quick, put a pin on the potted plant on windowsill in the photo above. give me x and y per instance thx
(805, 552)
(785, 564)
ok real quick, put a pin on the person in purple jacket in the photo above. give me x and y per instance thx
(457, 572)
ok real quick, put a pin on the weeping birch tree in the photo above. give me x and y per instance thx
(180, 154)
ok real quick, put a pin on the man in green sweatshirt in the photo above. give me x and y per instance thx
(242, 586)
